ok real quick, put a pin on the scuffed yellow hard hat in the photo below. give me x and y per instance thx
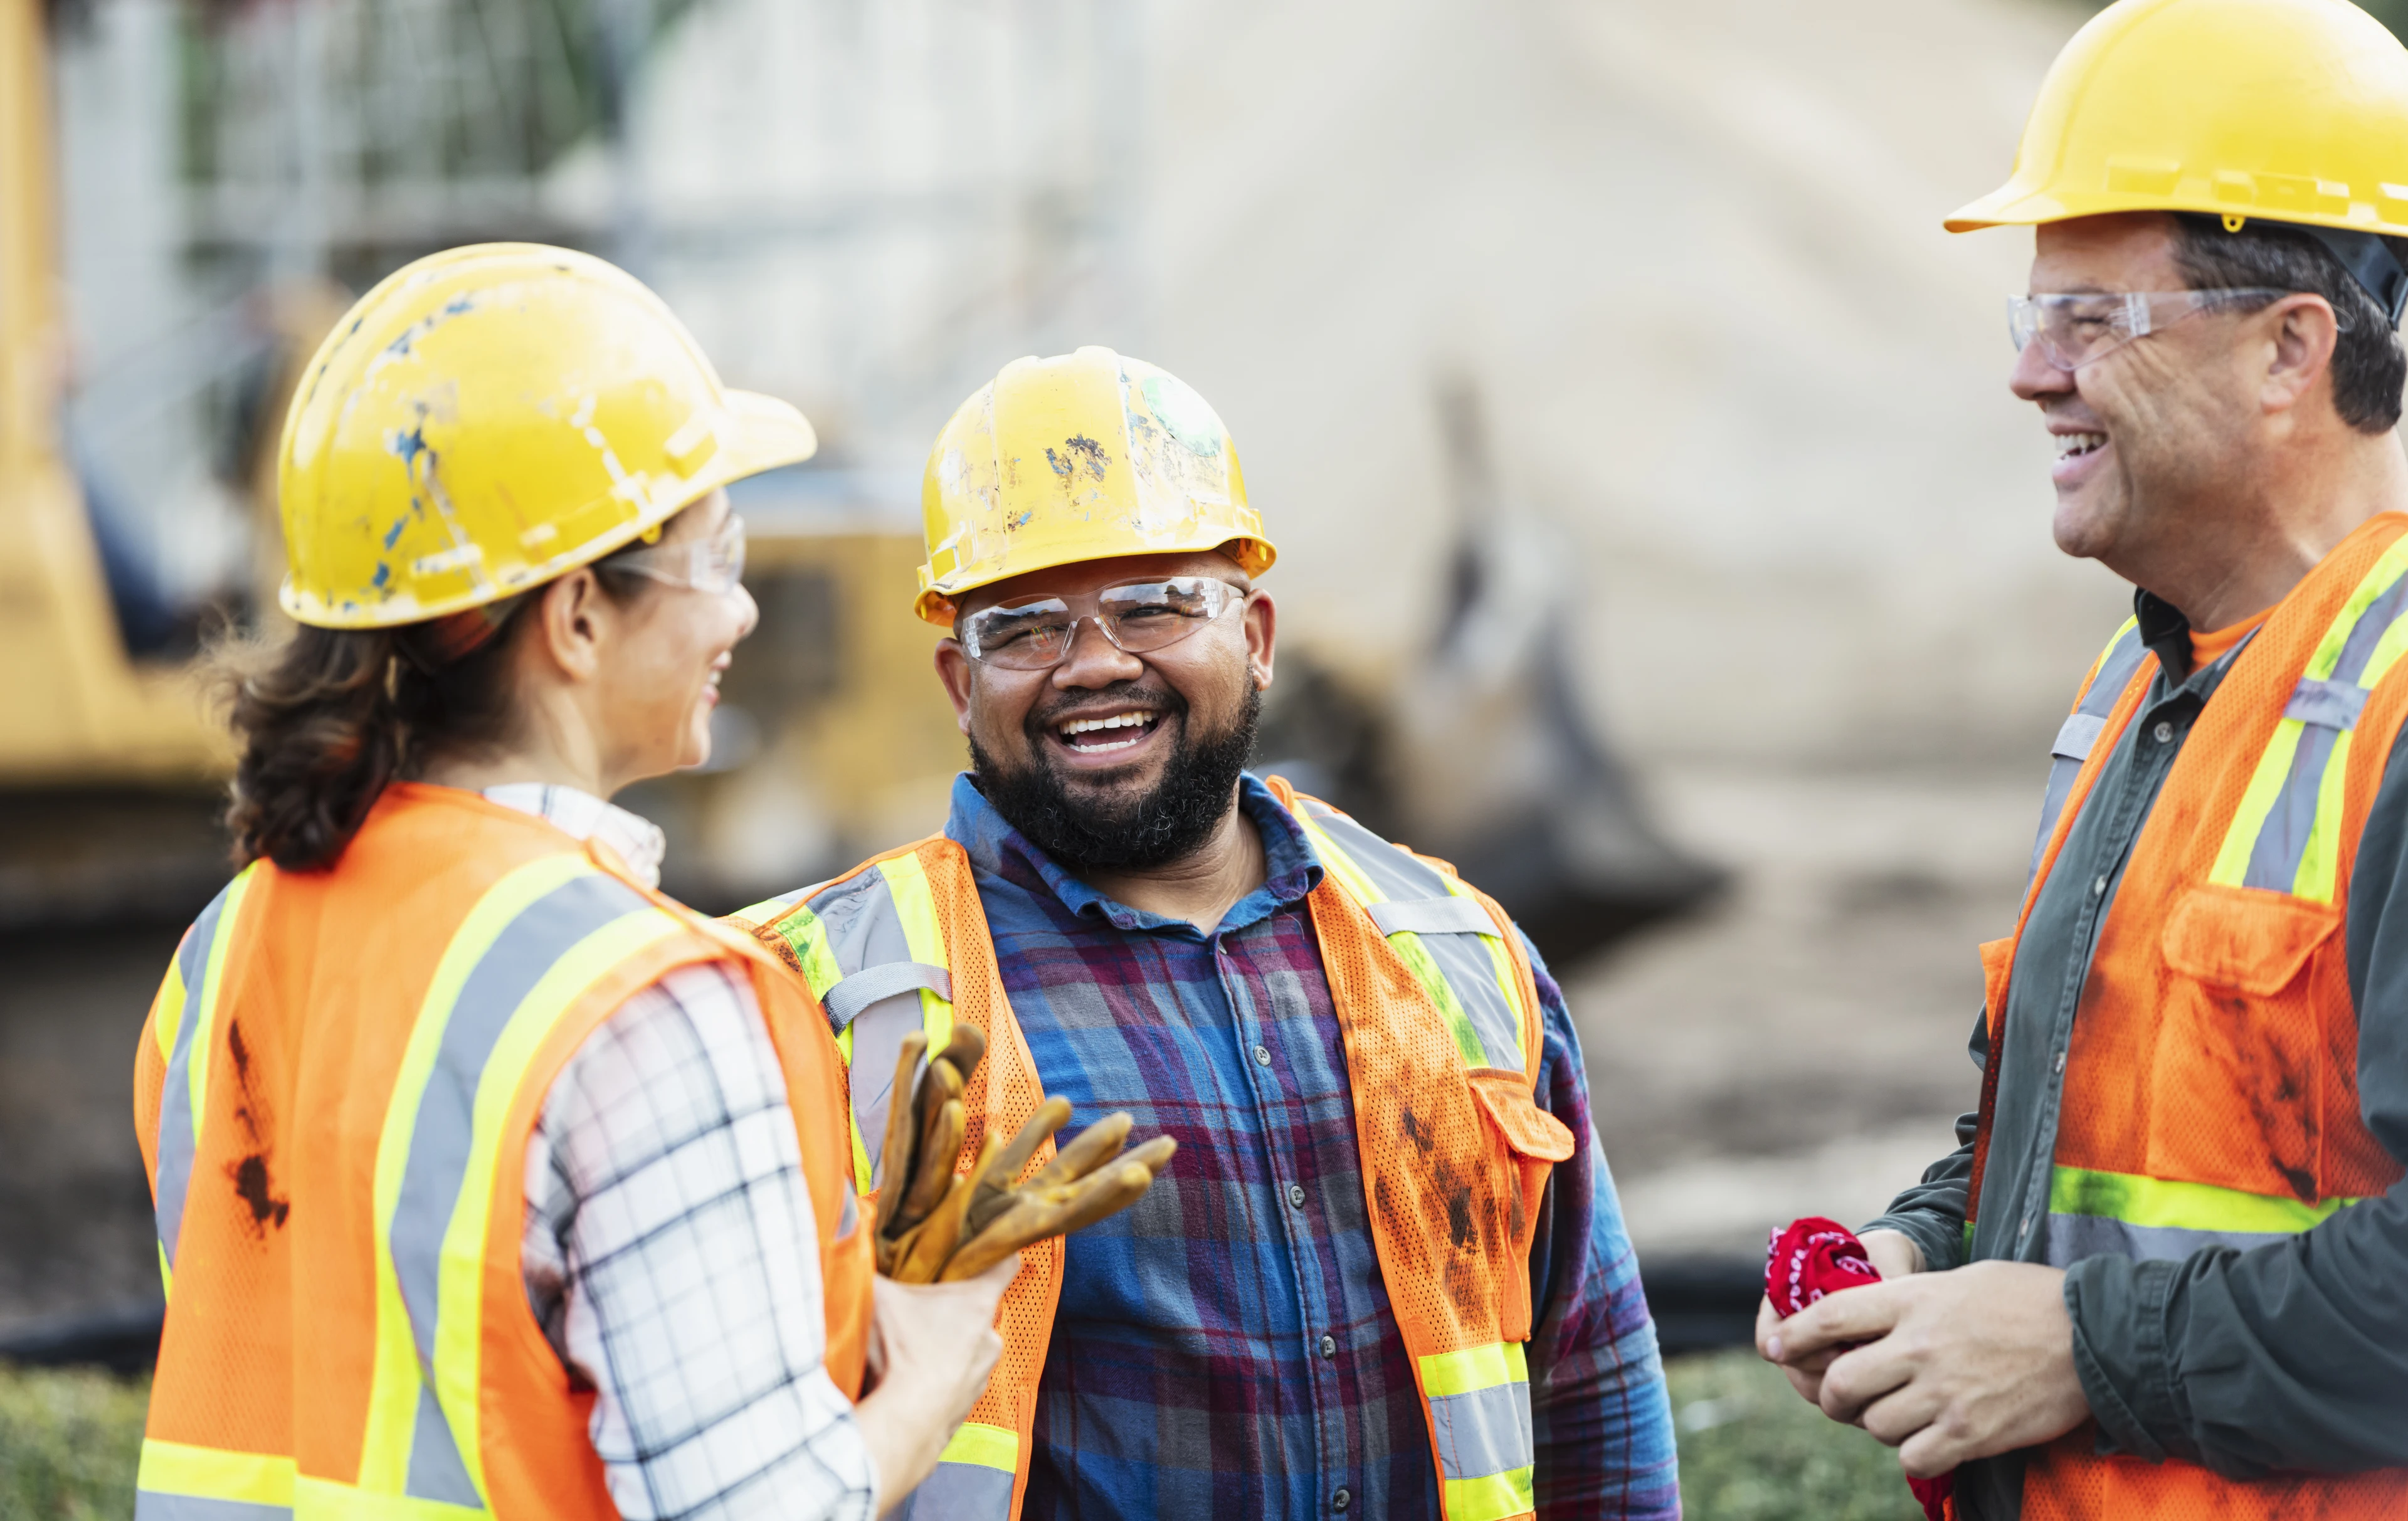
(1081, 456)
(2290, 110)
(492, 417)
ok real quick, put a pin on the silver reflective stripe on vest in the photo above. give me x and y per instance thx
(960, 1492)
(2333, 705)
(1483, 1432)
(178, 1132)
(2082, 728)
(865, 936)
(149, 1505)
(445, 1127)
(2075, 1237)
(1433, 916)
(1410, 885)
(845, 1002)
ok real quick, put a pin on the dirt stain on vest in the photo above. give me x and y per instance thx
(249, 1176)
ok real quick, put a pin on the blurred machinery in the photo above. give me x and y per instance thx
(335, 138)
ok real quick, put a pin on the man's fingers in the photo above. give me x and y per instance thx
(1856, 1379)
(1767, 1331)
(1932, 1451)
(1898, 1415)
(1855, 1315)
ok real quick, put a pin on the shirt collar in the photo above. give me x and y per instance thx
(638, 840)
(996, 847)
(2165, 632)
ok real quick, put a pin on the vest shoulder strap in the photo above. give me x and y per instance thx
(1459, 945)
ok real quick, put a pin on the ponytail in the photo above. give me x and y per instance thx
(330, 716)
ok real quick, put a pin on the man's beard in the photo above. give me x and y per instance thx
(1198, 789)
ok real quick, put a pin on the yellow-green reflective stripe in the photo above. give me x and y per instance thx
(2378, 579)
(393, 1381)
(1472, 1369)
(2184, 1206)
(2265, 788)
(986, 1446)
(459, 1323)
(803, 931)
(915, 905)
(2386, 653)
(1491, 1498)
(1407, 944)
(324, 1500)
(173, 1468)
(170, 1005)
(1508, 981)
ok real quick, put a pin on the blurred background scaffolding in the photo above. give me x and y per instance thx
(1659, 540)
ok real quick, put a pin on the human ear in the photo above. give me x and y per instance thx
(2303, 333)
(954, 669)
(1262, 635)
(572, 619)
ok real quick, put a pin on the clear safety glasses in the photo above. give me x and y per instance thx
(715, 565)
(2074, 330)
(1035, 633)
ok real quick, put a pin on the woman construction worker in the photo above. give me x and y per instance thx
(490, 1180)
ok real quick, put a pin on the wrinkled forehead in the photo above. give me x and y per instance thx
(1084, 578)
(2126, 251)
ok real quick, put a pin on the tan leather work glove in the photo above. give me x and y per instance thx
(943, 1227)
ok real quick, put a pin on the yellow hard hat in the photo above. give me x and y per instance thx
(1081, 456)
(493, 416)
(2290, 110)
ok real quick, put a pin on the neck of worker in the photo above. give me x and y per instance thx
(1201, 886)
(557, 741)
(2278, 524)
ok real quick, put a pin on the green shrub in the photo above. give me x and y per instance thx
(68, 1444)
(1751, 1450)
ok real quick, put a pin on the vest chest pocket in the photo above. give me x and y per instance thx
(2235, 1074)
(1527, 1143)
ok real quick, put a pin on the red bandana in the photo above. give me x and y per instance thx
(1815, 1256)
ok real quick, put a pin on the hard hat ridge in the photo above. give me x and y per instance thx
(488, 419)
(1081, 456)
(2291, 111)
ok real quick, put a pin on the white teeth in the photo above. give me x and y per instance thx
(2070, 444)
(1117, 721)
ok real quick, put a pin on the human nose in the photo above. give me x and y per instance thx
(2035, 377)
(748, 611)
(1093, 661)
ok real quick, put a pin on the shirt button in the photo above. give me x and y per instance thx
(2099, 888)
(2060, 1061)
(1330, 1346)
(2025, 1229)
(1340, 1501)
(1262, 1055)
(1295, 1195)
(2164, 731)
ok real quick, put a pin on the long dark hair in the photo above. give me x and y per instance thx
(327, 717)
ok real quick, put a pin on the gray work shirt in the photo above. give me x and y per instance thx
(2291, 1355)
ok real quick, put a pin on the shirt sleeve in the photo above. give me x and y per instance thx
(1601, 1419)
(2292, 1355)
(1932, 1212)
(671, 1257)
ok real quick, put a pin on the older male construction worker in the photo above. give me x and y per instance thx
(2167, 1273)
(1386, 1275)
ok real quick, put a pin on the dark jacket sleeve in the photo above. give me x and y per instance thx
(1932, 1212)
(2293, 1355)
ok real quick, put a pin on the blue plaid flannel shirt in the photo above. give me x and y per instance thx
(1220, 1351)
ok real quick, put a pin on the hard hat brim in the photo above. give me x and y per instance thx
(1253, 555)
(2016, 205)
(757, 433)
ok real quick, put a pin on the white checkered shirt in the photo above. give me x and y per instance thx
(670, 1251)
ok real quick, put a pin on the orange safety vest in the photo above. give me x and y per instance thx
(2209, 1089)
(1440, 1021)
(334, 1093)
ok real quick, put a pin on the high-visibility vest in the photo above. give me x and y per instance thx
(2211, 1088)
(1440, 1021)
(334, 1093)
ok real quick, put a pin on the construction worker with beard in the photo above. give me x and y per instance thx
(2165, 1274)
(1386, 1273)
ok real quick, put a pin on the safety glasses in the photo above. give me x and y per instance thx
(1035, 633)
(2079, 329)
(715, 565)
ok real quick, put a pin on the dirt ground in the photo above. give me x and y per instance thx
(1800, 1048)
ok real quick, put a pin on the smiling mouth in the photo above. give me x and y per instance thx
(1101, 735)
(2075, 445)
